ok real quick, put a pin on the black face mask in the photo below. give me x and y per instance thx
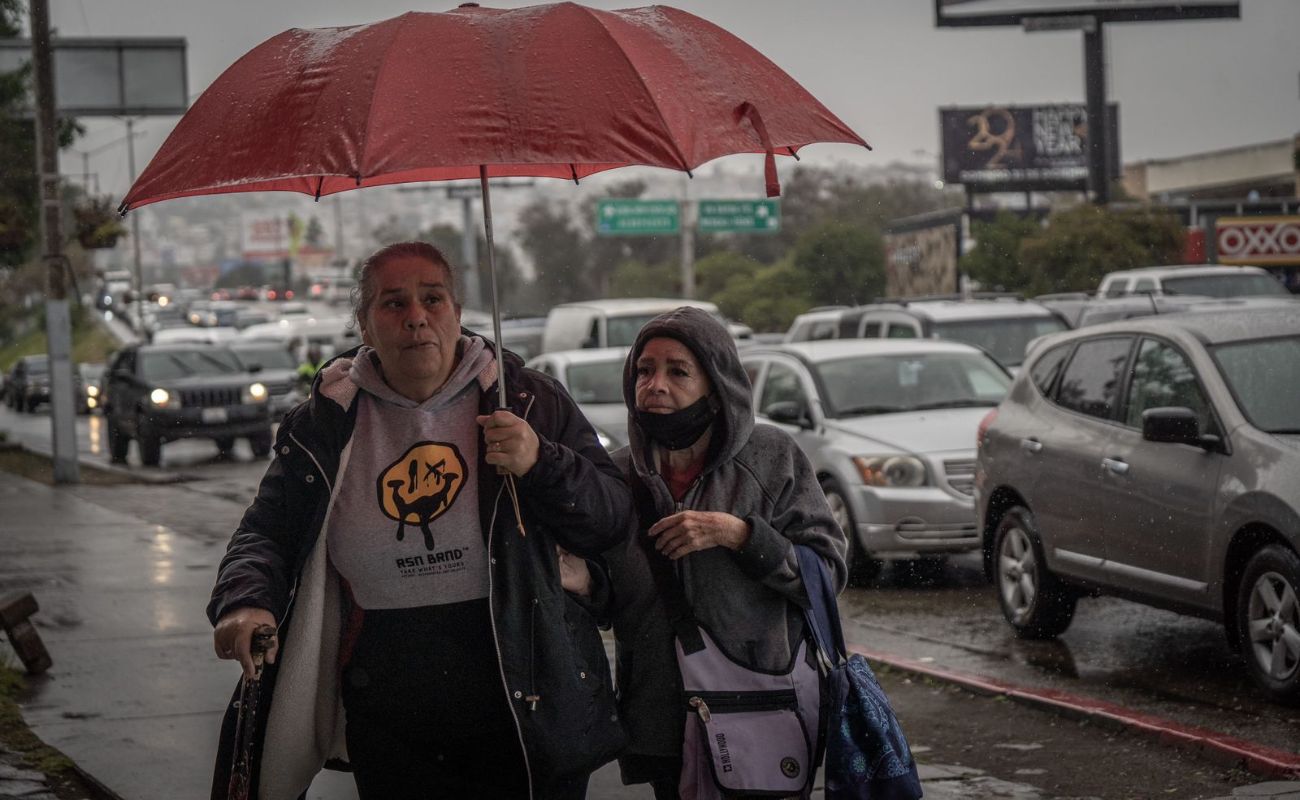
(680, 429)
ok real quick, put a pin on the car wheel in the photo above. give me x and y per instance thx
(261, 444)
(1033, 600)
(1268, 617)
(118, 442)
(150, 446)
(225, 445)
(862, 567)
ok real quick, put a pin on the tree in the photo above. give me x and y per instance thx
(996, 261)
(635, 279)
(315, 235)
(768, 300)
(714, 273)
(549, 235)
(841, 263)
(1078, 247)
(19, 191)
(447, 238)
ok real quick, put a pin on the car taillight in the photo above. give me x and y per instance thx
(288, 294)
(984, 426)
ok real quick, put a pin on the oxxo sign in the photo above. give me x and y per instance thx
(1258, 240)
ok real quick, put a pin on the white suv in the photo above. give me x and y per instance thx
(1203, 280)
(1001, 326)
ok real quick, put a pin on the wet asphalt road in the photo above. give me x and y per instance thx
(1148, 660)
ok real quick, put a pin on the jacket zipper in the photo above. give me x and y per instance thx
(492, 618)
(706, 703)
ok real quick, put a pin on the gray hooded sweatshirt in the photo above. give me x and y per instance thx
(750, 600)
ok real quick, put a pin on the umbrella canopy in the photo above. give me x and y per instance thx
(560, 91)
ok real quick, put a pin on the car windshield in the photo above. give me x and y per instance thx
(1005, 339)
(38, 366)
(1264, 375)
(169, 364)
(598, 382)
(879, 384)
(265, 357)
(1244, 285)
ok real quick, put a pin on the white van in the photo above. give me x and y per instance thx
(607, 323)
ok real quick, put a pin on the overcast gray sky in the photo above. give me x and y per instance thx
(880, 65)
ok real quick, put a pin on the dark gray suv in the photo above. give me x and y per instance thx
(160, 393)
(1158, 460)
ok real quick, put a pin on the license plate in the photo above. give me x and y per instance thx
(211, 415)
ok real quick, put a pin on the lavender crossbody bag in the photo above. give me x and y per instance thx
(747, 731)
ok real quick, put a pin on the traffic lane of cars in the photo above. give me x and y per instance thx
(1155, 459)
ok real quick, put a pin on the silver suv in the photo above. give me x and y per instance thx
(889, 427)
(1001, 325)
(1157, 459)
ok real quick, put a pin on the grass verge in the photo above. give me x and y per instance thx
(16, 738)
(40, 468)
(91, 341)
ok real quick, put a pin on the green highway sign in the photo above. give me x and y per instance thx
(637, 217)
(739, 216)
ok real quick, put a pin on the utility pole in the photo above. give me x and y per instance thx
(58, 323)
(1094, 79)
(135, 235)
(469, 252)
(688, 243)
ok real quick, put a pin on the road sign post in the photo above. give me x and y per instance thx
(622, 217)
(739, 216)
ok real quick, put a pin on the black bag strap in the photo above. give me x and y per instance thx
(823, 615)
(680, 614)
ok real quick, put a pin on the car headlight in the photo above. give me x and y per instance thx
(256, 393)
(92, 391)
(161, 398)
(893, 471)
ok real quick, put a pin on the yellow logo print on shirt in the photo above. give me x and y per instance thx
(420, 486)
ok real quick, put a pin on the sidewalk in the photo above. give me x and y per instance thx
(135, 694)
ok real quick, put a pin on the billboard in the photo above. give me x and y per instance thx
(963, 13)
(1021, 148)
(1258, 241)
(111, 77)
(264, 234)
(921, 254)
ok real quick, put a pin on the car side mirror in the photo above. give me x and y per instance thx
(1171, 425)
(122, 375)
(789, 412)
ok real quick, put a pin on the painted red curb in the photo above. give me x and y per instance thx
(1256, 758)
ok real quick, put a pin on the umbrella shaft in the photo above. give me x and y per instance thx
(492, 280)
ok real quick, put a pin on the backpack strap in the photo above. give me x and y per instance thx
(822, 615)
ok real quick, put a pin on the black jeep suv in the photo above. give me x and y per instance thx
(161, 393)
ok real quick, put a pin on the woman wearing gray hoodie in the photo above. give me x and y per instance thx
(725, 502)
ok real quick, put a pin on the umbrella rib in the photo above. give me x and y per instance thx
(379, 74)
(681, 158)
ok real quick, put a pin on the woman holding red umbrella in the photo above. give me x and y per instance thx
(404, 542)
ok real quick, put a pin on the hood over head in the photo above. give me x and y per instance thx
(716, 351)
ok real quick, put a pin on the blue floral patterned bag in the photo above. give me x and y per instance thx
(867, 757)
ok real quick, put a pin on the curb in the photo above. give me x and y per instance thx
(1226, 750)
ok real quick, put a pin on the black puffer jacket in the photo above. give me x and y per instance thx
(549, 645)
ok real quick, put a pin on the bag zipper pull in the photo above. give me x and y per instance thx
(702, 708)
(532, 701)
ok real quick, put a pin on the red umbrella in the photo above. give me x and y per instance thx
(560, 91)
